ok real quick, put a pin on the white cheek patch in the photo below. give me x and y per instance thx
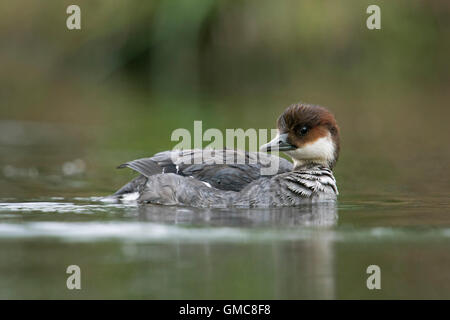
(321, 150)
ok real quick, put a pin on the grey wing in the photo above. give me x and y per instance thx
(222, 169)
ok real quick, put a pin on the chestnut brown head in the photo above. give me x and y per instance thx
(308, 134)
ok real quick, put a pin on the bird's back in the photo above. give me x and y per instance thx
(229, 170)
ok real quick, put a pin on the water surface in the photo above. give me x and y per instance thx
(53, 214)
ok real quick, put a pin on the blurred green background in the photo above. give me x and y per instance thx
(76, 103)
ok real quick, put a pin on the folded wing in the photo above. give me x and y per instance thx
(222, 169)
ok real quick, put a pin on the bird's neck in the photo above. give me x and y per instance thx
(309, 164)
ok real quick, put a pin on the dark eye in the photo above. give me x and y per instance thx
(303, 130)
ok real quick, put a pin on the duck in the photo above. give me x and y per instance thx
(307, 133)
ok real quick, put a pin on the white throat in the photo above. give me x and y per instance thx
(319, 152)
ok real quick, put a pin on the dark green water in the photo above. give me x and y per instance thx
(51, 217)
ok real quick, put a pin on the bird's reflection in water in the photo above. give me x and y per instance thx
(264, 267)
(319, 214)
